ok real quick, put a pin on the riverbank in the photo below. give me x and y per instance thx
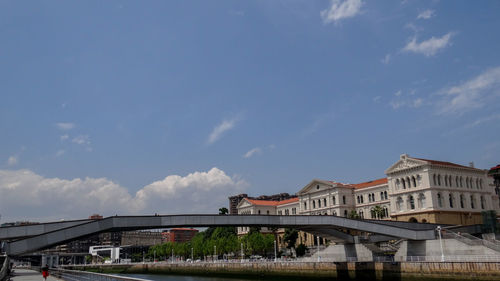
(321, 270)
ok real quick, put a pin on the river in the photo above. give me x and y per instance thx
(157, 277)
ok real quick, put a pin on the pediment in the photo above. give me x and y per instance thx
(403, 164)
(244, 203)
(312, 186)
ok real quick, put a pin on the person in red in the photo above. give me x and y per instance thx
(45, 272)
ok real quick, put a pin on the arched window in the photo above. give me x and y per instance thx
(386, 212)
(399, 203)
(314, 204)
(408, 183)
(477, 183)
(373, 197)
(343, 200)
(461, 182)
(397, 184)
(385, 195)
(467, 182)
(319, 203)
(411, 202)
(414, 180)
(434, 179)
(258, 212)
(440, 200)
(381, 195)
(345, 213)
(462, 201)
(445, 180)
(357, 199)
(361, 214)
(305, 205)
(472, 202)
(483, 203)
(334, 213)
(267, 212)
(421, 200)
(404, 183)
(439, 180)
(450, 198)
(333, 200)
(361, 198)
(457, 181)
(324, 202)
(481, 183)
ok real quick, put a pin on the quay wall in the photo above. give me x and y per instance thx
(319, 270)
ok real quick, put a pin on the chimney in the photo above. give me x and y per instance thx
(471, 164)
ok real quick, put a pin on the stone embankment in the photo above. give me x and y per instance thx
(322, 270)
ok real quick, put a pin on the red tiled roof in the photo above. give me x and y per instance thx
(496, 167)
(270, 202)
(435, 162)
(370, 183)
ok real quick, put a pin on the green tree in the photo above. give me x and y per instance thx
(290, 237)
(223, 211)
(300, 250)
(353, 215)
(378, 212)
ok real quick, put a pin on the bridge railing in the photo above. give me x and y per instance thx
(74, 275)
(464, 258)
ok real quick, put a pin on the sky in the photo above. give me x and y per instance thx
(133, 107)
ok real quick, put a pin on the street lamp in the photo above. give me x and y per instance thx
(172, 255)
(319, 258)
(192, 256)
(440, 242)
(275, 255)
(242, 254)
(154, 256)
(215, 253)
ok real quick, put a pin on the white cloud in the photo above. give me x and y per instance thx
(472, 94)
(13, 160)
(417, 102)
(427, 14)
(377, 99)
(398, 93)
(60, 152)
(341, 9)
(65, 126)
(386, 59)
(26, 194)
(220, 129)
(252, 152)
(81, 140)
(64, 137)
(430, 46)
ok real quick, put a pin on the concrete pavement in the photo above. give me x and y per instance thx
(30, 275)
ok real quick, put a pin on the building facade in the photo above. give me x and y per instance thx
(415, 190)
(179, 235)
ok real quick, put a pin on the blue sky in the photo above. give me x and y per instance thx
(205, 99)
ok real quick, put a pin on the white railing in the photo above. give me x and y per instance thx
(74, 275)
(467, 258)
(471, 240)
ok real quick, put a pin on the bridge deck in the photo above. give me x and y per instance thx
(321, 225)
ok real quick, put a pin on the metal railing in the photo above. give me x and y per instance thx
(471, 240)
(74, 275)
(4, 268)
(465, 258)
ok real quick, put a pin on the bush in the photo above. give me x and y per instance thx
(300, 250)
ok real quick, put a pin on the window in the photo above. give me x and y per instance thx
(314, 204)
(362, 198)
(450, 198)
(440, 200)
(280, 212)
(439, 180)
(381, 195)
(287, 212)
(399, 203)
(357, 199)
(483, 203)
(305, 205)
(457, 182)
(333, 200)
(467, 182)
(462, 201)
(317, 186)
(421, 200)
(472, 202)
(267, 212)
(343, 199)
(372, 213)
(404, 184)
(397, 184)
(477, 183)
(373, 197)
(461, 182)
(414, 180)
(345, 213)
(319, 203)
(334, 213)
(259, 212)
(361, 214)
(324, 202)
(386, 212)
(294, 211)
(445, 180)
(434, 179)
(385, 195)
(411, 202)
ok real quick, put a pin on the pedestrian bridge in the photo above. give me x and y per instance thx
(31, 238)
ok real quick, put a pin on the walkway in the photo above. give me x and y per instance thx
(29, 275)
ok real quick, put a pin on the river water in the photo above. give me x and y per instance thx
(157, 277)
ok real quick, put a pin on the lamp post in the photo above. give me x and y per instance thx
(242, 254)
(440, 242)
(142, 256)
(154, 256)
(172, 255)
(215, 252)
(275, 254)
(319, 258)
(192, 256)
